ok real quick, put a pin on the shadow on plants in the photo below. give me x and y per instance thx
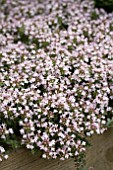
(106, 5)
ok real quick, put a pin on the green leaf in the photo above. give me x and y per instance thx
(13, 143)
(60, 20)
(109, 122)
(23, 37)
(2, 84)
(44, 44)
(94, 16)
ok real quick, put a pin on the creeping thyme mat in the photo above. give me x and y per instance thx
(56, 75)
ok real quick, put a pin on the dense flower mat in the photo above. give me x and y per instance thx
(56, 75)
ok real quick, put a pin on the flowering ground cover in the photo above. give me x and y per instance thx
(56, 75)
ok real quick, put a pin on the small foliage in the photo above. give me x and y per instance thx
(107, 5)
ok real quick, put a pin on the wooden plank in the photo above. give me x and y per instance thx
(100, 154)
(24, 160)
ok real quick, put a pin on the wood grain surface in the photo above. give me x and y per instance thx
(99, 157)
(24, 160)
(100, 154)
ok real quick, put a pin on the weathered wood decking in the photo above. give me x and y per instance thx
(24, 160)
(99, 156)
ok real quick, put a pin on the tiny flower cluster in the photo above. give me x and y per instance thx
(56, 75)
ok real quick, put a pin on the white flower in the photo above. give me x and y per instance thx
(2, 150)
(44, 156)
(6, 156)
